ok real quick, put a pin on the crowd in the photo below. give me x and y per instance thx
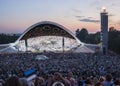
(61, 69)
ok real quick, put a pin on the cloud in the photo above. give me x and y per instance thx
(110, 15)
(98, 8)
(113, 4)
(89, 20)
(115, 23)
(118, 23)
(79, 16)
(90, 17)
(76, 10)
(95, 3)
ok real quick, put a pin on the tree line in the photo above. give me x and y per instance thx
(82, 35)
(94, 38)
(8, 38)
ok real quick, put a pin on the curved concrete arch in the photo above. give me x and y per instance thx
(52, 23)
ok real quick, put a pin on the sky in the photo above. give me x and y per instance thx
(17, 15)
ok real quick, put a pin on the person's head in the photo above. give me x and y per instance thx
(39, 80)
(88, 82)
(2, 82)
(70, 74)
(13, 81)
(57, 76)
(117, 82)
(108, 77)
(23, 82)
(95, 80)
(50, 76)
(102, 79)
(98, 84)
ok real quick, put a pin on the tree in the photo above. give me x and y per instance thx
(82, 34)
(77, 32)
(113, 43)
(112, 29)
(114, 40)
(7, 38)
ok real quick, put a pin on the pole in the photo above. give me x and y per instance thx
(63, 44)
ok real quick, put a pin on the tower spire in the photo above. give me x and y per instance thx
(104, 31)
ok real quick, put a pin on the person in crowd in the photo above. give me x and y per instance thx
(95, 80)
(13, 81)
(58, 78)
(80, 64)
(39, 81)
(81, 81)
(98, 84)
(2, 82)
(117, 82)
(23, 82)
(71, 79)
(102, 79)
(88, 82)
(108, 81)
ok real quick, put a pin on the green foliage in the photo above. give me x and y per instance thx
(113, 43)
(7, 38)
(83, 36)
(114, 40)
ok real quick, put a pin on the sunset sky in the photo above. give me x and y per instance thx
(17, 15)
